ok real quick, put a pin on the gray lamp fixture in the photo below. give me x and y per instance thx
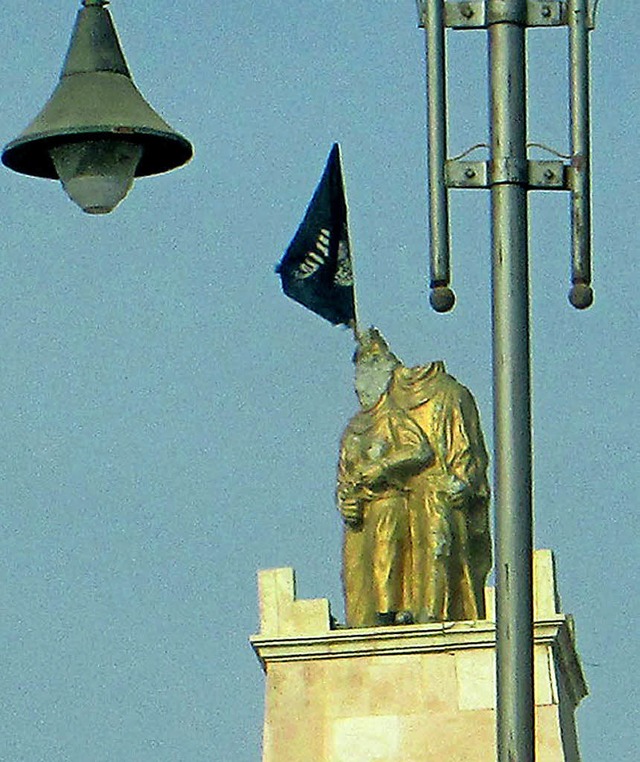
(96, 133)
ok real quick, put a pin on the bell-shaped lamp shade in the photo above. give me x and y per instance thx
(96, 174)
(96, 132)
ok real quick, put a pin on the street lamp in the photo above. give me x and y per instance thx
(96, 133)
(510, 175)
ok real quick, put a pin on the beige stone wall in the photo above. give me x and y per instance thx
(403, 694)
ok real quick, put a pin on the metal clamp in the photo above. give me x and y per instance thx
(548, 175)
(480, 14)
(466, 174)
(540, 175)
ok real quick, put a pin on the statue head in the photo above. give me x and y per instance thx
(375, 364)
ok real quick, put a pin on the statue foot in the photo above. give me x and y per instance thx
(404, 617)
(384, 618)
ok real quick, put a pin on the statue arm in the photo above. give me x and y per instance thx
(467, 458)
(349, 494)
(408, 453)
(467, 463)
(411, 454)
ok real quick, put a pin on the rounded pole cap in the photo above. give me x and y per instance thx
(442, 299)
(581, 296)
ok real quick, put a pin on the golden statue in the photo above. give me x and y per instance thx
(413, 493)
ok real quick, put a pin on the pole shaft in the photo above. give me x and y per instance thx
(512, 386)
(437, 147)
(578, 11)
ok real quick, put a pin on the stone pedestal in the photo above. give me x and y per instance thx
(413, 693)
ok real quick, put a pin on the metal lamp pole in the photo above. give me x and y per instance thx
(508, 180)
(510, 175)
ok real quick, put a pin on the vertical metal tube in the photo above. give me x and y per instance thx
(511, 373)
(581, 295)
(437, 155)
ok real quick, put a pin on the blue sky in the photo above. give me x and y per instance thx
(171, 421)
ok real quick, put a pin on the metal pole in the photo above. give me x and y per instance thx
(437, 154)
(511, 371)
(581, 295)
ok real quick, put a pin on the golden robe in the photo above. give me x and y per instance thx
(381, 449)
(431, 524)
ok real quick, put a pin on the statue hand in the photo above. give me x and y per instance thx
(456, 499)
(456, 493)
(351, 511)
(374, 474)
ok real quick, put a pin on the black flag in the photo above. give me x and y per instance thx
(316, 269)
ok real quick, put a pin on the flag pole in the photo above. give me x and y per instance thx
(353, 324)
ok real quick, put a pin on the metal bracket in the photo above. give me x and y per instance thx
(466, 174)
(474, 14)
(548, 175)
(541, 175)
(467, 15)
(547, 13)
